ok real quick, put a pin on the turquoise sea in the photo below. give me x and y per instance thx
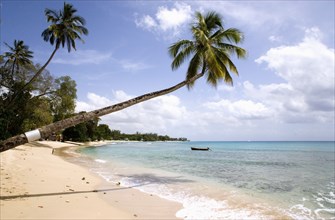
(235, 180)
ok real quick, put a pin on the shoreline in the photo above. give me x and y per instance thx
(37, 184)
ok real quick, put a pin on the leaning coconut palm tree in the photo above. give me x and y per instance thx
(65, 28)
(210, 49)
(18, 55)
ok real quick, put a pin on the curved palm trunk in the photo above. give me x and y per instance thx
(46, 131)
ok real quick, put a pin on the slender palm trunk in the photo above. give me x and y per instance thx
(45, 131)
(37, 74)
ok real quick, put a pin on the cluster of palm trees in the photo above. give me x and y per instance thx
(209, 52)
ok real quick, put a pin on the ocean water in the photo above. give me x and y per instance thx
(235, 180)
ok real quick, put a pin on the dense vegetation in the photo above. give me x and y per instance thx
(30, 97)
(23, 108)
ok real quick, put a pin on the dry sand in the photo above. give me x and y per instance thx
(36, 184)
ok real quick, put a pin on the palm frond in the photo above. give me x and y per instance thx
(65, 28)
(212, 47)
(194, 66)
(232, 35)
(182, 56)
(52, 16)
(233, 49)
(212, 79)
(180, 45)
(213, 20)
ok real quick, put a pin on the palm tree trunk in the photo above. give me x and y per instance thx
(45, 131)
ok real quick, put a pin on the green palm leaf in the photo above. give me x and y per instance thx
(65, 27)
(210, 48)
(18, 55)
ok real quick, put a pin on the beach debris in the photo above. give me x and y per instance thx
(118, 183)
(135, 215)
(67, 201)
(71, 190)
(87, 182)
(95, 190)
(105, 193)
(40, 206)
(83, 178)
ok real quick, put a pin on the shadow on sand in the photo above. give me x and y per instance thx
(142, 179)
(64, 193)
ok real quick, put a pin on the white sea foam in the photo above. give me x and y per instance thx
(100, 161)
(206, 208)
(332, 201)
(194, 207)
(299, 211)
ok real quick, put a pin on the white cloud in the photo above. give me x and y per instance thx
(146, 22)
(80, 57)
(155, 115)
(308, 69)
(241, 109)
(167, 20)
(246, 13)
(173, 18)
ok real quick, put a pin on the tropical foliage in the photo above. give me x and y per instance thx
(66, 27)
(46, 100)
(211, 48)
(18, 55)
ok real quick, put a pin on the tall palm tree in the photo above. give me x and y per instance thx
(211, 48)
(65, 28)
(18, 55)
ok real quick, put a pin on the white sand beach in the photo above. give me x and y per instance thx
(36, 184)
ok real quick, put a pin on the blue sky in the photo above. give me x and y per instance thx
(285, 90)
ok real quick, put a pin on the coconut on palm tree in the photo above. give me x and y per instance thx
(209, 50)
(66, 27)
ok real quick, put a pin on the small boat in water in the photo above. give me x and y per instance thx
(200, 148)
